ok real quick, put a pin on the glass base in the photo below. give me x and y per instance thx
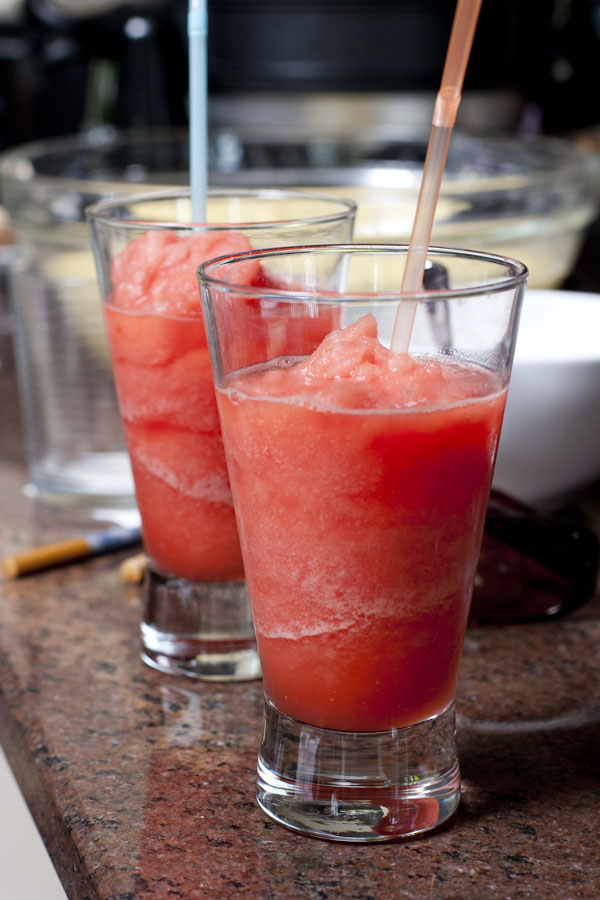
(56, 506)
(199, 629)
(358, 786)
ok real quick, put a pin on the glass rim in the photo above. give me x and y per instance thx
(100, 211)
(515, 277)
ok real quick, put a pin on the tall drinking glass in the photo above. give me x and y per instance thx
(360, 479)
(196, 618)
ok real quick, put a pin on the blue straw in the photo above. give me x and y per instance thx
(198, 100)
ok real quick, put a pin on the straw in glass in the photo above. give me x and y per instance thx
(444, 116)
(198, 113)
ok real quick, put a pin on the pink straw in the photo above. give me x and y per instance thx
(444, 115)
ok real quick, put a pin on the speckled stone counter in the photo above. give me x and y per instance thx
(142, 785)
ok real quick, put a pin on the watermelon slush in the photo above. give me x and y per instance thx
(164, 382)
(167, 402)
(361, 481)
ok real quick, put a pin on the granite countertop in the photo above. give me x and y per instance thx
(142, 785)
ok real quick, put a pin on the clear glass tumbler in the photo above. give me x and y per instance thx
(360, 478)
(197, 618)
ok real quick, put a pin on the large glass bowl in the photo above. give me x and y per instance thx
(531, 198)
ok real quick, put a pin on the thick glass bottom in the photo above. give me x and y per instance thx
(199, 629)
(61, 504)
(358, 786)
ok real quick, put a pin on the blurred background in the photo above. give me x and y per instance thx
(66, 65)
(324, 68)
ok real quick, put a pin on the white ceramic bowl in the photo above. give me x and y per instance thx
(550, 443)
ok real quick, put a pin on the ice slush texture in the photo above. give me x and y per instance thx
(167, 401)
(361, 480)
